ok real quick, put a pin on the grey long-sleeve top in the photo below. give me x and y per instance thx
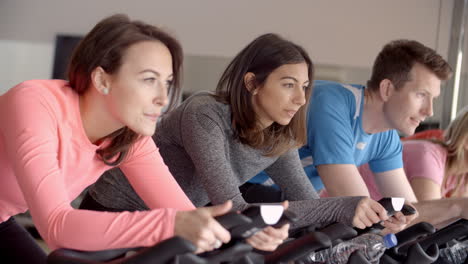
(197, 143)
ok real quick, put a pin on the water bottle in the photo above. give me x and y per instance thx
(372, 246)
(455, 254)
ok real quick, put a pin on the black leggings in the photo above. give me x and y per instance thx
(89, 203)
(18, 246)
(252, 193)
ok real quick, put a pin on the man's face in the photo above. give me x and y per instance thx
(408, 106)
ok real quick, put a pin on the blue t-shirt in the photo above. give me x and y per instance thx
(335, 134)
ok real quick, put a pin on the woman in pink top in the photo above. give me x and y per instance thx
(435, 168)
(57, 137)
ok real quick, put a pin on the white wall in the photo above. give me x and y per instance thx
(340, 34)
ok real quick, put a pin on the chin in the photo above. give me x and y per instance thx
(408, 132)
(146, 131)
(284, 122)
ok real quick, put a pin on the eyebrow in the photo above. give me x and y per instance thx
(154, 72)
(149, 70)
(428, 92)
(292, 78)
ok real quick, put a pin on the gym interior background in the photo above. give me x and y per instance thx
(342, 37)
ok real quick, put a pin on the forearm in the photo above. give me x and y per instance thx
(324, 211)
(438, 211)
(342, 180)
(394, 183)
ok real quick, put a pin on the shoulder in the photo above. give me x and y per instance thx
(203, 105)
(51, 95)
(204, 100)
(422, 148)
(335, 88)
(328, 94)
(142, 147)
(41, 86)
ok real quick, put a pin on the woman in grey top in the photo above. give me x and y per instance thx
(214, 143)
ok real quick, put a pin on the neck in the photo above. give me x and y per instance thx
(97, 122)
(373, 116)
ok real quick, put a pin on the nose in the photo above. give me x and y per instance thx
(428, 109)
(299, 97)
(161, 97)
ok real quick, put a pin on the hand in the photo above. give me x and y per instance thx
(398, 222)
(368, 212)
(270, 238)
(199, 226)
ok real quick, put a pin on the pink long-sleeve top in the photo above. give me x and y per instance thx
(46, 160)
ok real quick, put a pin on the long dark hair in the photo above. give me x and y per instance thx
(261, 57)
(104, 46)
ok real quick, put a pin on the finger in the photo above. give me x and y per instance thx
(358, 223)
(285, 204)
(278, 233)
(257, 243)
(410, 218)
(401, 217)
(366, 221)
(206, 237)
(392, 225)
(372, 216)
(379, 209)
(219, 232)
(219, 209)
(203, 246)
(254, 241)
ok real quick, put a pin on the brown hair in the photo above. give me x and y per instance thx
(104, 46)
(261, 57)
(398, 57)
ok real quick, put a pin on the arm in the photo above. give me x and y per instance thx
(330, 137)
(32, 148)
(395, 183)
(204, 142)
(424, 164)
(436, 212)
(342, 180)
(287, 172)
(426, 189)
(151, 179)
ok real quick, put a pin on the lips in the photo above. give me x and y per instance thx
(291, 113)
(153, 117)
(416, 121)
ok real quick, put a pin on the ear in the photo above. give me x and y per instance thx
(100, 80)
(249, 82)
(386, 89)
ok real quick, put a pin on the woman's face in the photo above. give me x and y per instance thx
(282, 94)
(139, 89)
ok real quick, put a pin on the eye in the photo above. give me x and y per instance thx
(288, 85)
(150, 80)
(421, 95)
(169, 83)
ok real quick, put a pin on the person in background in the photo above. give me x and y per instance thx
(436, 168)
(214, 143)
(58, 137)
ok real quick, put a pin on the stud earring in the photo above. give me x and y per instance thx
(105, 91)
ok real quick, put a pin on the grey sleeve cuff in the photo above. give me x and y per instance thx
(324, 211)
